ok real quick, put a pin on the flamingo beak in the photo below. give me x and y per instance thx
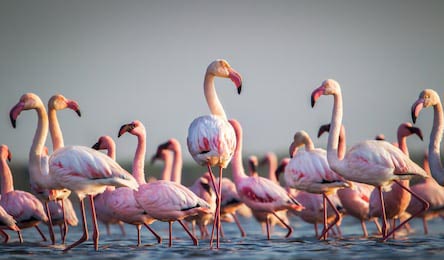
(316, 94)
(15, 112)
(236, 78)
(417, 131)
(96, 146)
(74, 106)
(323, 129)
(416, 108)
(9, 156)
(125, 128)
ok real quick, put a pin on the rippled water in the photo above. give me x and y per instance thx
(300, 245)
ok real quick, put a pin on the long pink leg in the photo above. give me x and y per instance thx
(338, 216)
(19, 233)
(216, 216)
(290, 229)
(218, 206)
(122, 228)
(95, 225)
(378, 227)
(267, 225)
(65, 223)
(170, 225)
(384, 216)
(40, 232)
(195, 241)
(5, 235)
(424, 223)
(50, 227)
(159, 239)
(85, 228)
(316, 229)
(425, 207)
(236, 219)
(364, 228)
(139, 240)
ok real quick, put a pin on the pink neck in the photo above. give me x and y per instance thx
(168, 165)
(237, 168)
(139, 160)
(211, 96)
(38, 143)
(333, 137)
(272, 166)
(177, 163)
(435, 143)
(6, 177)
(54, 129)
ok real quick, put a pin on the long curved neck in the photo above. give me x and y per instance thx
(237, 167)
(211, 96)
(38, 143)
(272, 166)
(342, 146)
(6, 178)
(335, 128)
(402, 144)
(139, 159)
(168, 166)
(54, 129)
(177, 164)
(434, 145)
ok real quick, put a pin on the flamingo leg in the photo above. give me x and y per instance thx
(337, 219)
(290, 229)
(236, 219)
(96, 233)
(170, 226)
(219, 198)
(195, 241)
(5, 235)
(364, 228)
(213, 182)
(159, 239)
(65, 223)
(139, 239)
(424, 224)
(267, 225)
(384, 216)
(19, 233)
(40, 232)
(378, 227)
(316, 229)
(425, 207)
(85, 229)
(122, 228)
(50, 227)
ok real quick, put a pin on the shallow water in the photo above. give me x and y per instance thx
(300, 245)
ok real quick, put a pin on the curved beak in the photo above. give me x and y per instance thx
(236, 78)
(125, 128)
(323, 129)
(15, 112)
(9, 155)
(73, 105)
(316, 94)
(417, 131)
(416, 108)
(96, 146)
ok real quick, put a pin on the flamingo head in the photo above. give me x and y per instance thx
(328, 87)
(323, 129)
(281, 167)
(427, 98)
(406, 129)
(104, 143)
(253, 163)
(300, 138)
(221, 68)
(135, 128)
(59, 102)
(27, 101)
(162, 149)
(5, 153)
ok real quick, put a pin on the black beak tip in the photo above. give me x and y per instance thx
(413, 117)
(79, 113)
(313, 102)
(239, 89)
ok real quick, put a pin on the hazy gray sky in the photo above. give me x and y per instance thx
(126, 60)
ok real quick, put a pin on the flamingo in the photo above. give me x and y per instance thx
(38, 160)
(266, 220)
(354, 199)
(119, 204)
(257, 192)
(429, 98)
(430, 191)
(163, 200)
(398, 198)
(79, 169)
(26, 209)
(377, 163)
(61, 211)
(201, 186)
(308, 170)
(211, 139)
(7, 222)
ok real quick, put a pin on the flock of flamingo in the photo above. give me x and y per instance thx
(373, 180)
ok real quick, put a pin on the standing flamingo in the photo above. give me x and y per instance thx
(377, 163)
(429, 98)
(25, 208)
(80, 169)
(61, 211)
(38, 160)
(163, 200)
(7, 222)
(211, 139)
(119, 204)
(354, 199)
(257, 192)
(308, 170)
(398, 198)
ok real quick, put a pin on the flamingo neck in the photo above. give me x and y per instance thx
(211, 96)
(177, 164)
(402, 144)
(435, 142)
(333, 137)
(237, 167)
(38, 142)
(167, 167)
(6, 178)
(55, 131)
(272, 166)
(342, 145)
(139, 160)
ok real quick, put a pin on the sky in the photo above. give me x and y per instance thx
(146, 60)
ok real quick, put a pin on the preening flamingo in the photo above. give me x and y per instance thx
(397, 199)
(308, 170)
(163, 200)
(257, 192)
(429, 98)
(377, 163)
(211, 139)
(26, 209)
(38, 159)
(354, 199)
(61, 211)
(119, 204)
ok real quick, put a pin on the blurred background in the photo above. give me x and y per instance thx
(146, 60)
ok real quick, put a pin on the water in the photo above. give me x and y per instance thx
(300, 245)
